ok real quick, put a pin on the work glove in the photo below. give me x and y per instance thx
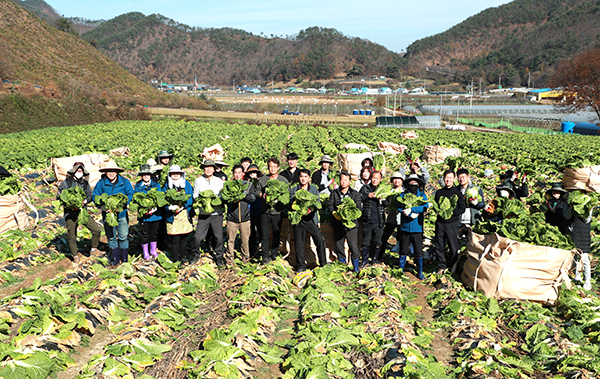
(407, 212)
(473, 201)
(173, 208)
(151, 211)
(414, 215)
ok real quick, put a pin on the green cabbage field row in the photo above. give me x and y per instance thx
(33, 149)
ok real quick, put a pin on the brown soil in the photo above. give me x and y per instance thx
(440, 346)
(82, 354)
(45, 272)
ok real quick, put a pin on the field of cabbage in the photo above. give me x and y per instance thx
(157, 319)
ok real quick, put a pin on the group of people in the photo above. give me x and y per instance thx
(259, 223)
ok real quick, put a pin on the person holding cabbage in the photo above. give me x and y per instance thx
(111, 183)
(209, 218)
(178, 215)
(581, 206)
(77, 177)
(150, 222)
(304, 218)
(238, 194)
(474, 201)
(373, 218)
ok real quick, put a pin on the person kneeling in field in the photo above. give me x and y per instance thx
(341, 233)
(309, 223)
(77, 177)
(150, 222)
(112, 183)
(238, 218)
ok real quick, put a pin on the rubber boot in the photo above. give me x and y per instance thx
(114, 257)
(342, 259)
(153, 249)
(364, 256)
(419, 264)
(587, 272)
(124, 255)
(402, 262)
(355, 264)
(376, 254)
(145, 251)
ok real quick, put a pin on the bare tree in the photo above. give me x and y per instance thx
(579, 79)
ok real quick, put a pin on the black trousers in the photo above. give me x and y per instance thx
(179, 246)
(255, 235)
(446, 234)
(215, 223)
(388, 230)
(149, 231)
(341, 235)
(416, 239)
(270, 222)
(371, 234)
(300, 230)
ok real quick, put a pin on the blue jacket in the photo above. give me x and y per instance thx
(122, 185)
(140, 187)
(414, 225)
(188, 204)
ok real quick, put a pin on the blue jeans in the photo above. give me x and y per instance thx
(117, 235)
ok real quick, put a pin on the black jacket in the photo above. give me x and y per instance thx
(336, 198)
(69, 182)
(316, 179)
(460, 206)
(582, 234)
(292, 178)
(369, 204)
(312, 189)
(240, 211)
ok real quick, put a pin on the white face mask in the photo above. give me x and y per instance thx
(504, 193)
(79, 175)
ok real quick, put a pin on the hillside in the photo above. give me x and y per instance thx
(36, 53)
(155, 47)
(41, 9)
(524, 36)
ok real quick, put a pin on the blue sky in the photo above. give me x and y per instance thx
(393, 24)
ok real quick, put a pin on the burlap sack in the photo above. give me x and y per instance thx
(119, 152)
(438, 154)
(392, 148)
(214, 152)
(92, 163)
(590, 176)
(506, 269)
(409, 134)
(13, 213)
(351, 163)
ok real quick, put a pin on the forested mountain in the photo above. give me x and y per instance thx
(155, 47)
(36, 53)
(517, 41)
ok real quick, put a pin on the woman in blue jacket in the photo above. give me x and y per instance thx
(411, 225)
(112, 183)
(150, 222)
(178, 217)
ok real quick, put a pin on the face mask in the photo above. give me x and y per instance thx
(413, 188)
(78, 175)
(503, 193)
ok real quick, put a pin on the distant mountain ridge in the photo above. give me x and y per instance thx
(155, 47)
(513, 43)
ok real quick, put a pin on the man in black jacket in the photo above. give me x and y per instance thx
(308, 224)
(446, 230)
(238, 218)
(77, 177)
(509, 178)
(341, 234)
(373, 218)
(292, 173)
